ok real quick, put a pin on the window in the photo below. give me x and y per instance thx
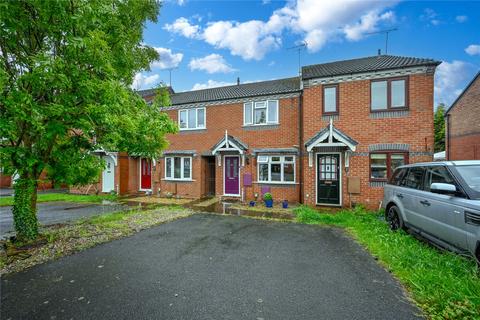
(414, 178)
(260, 112)
(383, 164)
(191, 119)
(276, 169)
(438, 174)
(397, 176)
(330, 99)
(388, 94)
(178, 168)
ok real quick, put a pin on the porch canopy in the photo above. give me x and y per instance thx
(331, 137)
(230, 144)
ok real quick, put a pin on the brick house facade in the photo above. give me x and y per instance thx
(462, 139)
(331, 137)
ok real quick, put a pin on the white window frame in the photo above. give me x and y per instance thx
(172, 169)
(256, 105)
(197, 127)
(263, 159)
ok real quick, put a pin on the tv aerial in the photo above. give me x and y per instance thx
(300, 47)
(385, 32)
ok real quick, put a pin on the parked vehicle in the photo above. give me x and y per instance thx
(438, 200)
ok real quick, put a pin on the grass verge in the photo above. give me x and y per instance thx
(61, 240)
(49, 197)
(444, 285)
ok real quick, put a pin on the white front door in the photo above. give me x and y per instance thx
(108, 175)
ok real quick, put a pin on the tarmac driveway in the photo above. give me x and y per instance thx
(212, 267)
(57, 212)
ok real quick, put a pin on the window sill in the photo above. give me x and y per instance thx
(178, 180)
(389, 109)
(276, 183)
(261, 124)
(196, 129)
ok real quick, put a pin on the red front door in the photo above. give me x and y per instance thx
(146, 174)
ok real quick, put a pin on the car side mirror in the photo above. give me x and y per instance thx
(443, 188)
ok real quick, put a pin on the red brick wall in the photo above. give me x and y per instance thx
(415, 129)
(463, 124)
(230, 117)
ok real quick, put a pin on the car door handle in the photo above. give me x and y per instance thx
(425, 203)
(400, 195)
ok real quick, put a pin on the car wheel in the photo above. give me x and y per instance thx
(394, 219)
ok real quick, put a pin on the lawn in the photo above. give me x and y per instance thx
(49, 197)
(444, 285)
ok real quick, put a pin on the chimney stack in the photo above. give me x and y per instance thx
(238, 81)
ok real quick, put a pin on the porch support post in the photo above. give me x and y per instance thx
(219, 159)
(310, 159)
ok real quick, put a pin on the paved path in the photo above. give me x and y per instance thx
(212, 267)
(56, 212)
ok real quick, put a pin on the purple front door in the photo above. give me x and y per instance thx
(231, 176)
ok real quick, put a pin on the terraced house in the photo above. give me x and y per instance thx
(330, 137)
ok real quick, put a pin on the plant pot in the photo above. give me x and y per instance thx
(285, 204)
(252, 203)
(268, 203)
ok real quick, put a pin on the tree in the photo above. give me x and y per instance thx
(65, 73)
(439, 128)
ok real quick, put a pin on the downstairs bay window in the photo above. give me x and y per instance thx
(178, 168)
(382, 164)
(276, 169)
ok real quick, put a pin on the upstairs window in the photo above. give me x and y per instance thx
(276, 169)
(191, 119)
(389, 94)
(260, 112)
(383, 164)
(330, 99)
(178, 168)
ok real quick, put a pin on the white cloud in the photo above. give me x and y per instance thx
(213, 63)
(167, 59)
(211, 84)
(473, 49)
(461, 19)
(141, 81)
(368, 23)
(431, 16)
(250, 40)
(317, 22)
(450, 79)
(183, 27)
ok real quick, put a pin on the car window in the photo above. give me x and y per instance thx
(438, 174)
(397, 176)
(414, 178)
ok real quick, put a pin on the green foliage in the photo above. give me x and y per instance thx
(267, 196)
(439, 128)
(24, 210)
(65, 73)
(444, 285)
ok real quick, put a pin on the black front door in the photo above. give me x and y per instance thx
(328, 179)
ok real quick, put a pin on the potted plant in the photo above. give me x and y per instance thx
(268, 199)
(285, 204)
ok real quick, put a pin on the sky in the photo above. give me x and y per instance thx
(204, 44)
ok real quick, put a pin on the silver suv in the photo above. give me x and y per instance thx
(438, 200)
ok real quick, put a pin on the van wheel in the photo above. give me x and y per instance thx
(394, 219)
